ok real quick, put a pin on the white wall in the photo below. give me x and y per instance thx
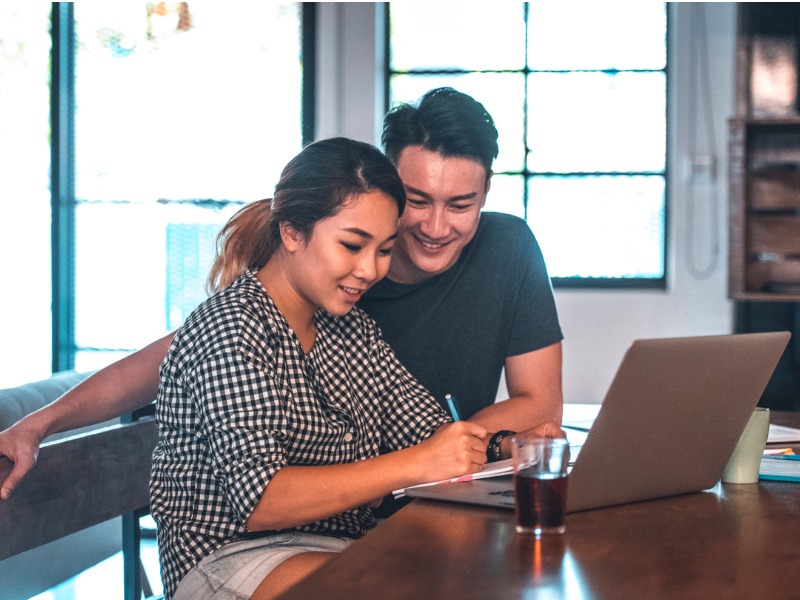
(598, 325)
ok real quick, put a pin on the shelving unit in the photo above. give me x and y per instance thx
(764, 257)
(765, 209)
(764, 170)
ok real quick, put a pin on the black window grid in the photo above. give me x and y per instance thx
(656, 283)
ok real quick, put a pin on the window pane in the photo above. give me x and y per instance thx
(129, 257)
(503, 95)
(506, 195)
(464, 35)
(599, 226)
(25, 316)
(596, 122)
(597, 36)
(198, 105)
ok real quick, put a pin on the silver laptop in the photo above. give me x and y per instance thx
(667, 425)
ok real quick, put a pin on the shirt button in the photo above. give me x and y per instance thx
(348, 437)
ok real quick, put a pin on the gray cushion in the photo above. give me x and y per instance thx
(18, 401)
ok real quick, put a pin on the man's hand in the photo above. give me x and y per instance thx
(548, 429)
(19, 446)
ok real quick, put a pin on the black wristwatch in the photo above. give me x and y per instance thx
(493, 449)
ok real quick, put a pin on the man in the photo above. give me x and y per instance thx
(466, 296)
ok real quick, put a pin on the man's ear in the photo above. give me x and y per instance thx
(488, 187)
(291, 238)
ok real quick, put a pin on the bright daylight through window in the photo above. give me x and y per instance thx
(25, 191)
(579, 98)
(182, 112)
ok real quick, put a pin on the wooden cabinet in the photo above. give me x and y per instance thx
(764, 256)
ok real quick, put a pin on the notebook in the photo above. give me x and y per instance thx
(667, 426)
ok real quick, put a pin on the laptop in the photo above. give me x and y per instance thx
(667, 426)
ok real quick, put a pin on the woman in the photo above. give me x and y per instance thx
(282, 413)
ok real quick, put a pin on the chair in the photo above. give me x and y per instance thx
(80, 482)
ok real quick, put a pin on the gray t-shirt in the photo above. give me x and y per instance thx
(455, 330)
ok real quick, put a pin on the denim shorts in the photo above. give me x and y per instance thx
(234, 571)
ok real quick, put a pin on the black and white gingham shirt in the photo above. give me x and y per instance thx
(239, 400)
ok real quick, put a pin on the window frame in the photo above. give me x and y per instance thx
(593, 283)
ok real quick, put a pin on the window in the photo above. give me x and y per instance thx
(578, 94)
(167, 118)
(25, 191)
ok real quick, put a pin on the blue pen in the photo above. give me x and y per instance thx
(452, 404)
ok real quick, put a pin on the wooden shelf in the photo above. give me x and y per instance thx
(769, 122)
(765, 297)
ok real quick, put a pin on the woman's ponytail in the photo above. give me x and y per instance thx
(248, 240)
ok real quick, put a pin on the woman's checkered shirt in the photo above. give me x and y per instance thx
(239, 400)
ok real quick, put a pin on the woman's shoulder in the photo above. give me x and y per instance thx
(226, 306)
(228, 318)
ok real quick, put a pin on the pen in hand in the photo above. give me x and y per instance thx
(452, 406)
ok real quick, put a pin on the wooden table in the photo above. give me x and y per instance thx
(733, 541)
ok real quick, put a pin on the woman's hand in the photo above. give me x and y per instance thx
(455, 449)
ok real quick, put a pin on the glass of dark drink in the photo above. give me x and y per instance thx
(540, 483)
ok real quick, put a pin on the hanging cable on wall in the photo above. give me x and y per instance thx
(704, 155)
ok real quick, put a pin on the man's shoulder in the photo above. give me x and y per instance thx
(501, 234)
(504, 226)
(498, 219)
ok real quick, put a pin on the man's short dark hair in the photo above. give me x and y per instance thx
(445, 121)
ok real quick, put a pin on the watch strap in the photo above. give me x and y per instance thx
(493, 448)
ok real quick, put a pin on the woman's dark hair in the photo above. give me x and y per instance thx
(444, 121)
(314, 185)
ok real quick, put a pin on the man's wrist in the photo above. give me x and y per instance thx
(505, 448)
(496, 450)
(33, 425)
